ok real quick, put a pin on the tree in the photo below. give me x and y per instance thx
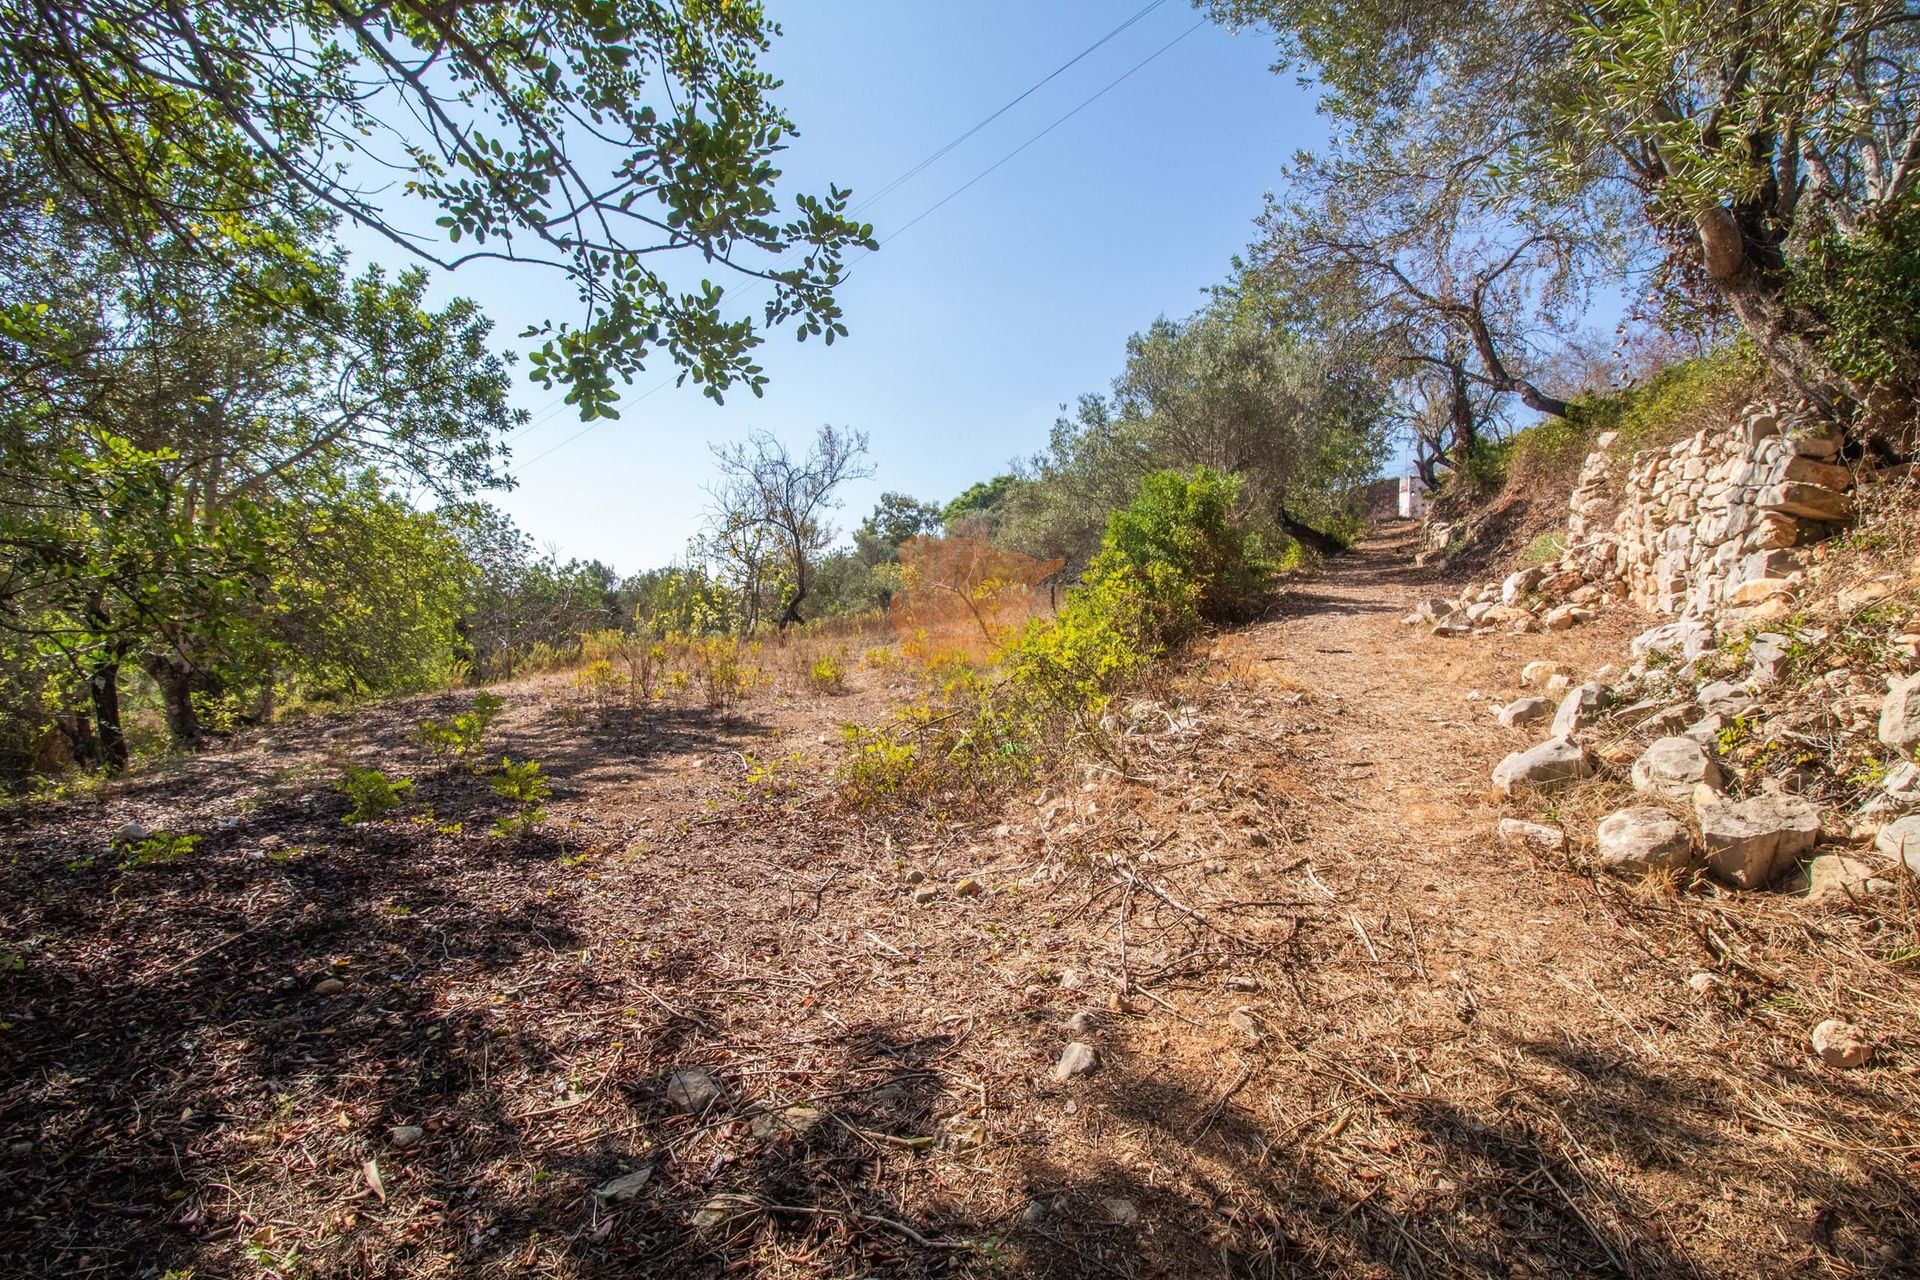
(1772, 141)
(1762, 154)
(191, 481)
(766, 492)
(586, 137)
(895, 519)
(1298, 423)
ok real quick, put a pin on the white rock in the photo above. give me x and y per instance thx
(1835, 877)
(1900, 840)
(1902, 783)
(1579, 708)
(1672, 767)
(1548, 766)
(1841, 1044)
(1636, 841)
(1434, 609)
(1536, 674)
(1515, 833)
(1750, 842)
(1525, 711)
(1688, 637)
(1900, 713)
(1076, 1059)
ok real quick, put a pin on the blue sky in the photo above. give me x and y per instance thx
(971, 329)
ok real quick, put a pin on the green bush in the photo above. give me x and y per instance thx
(521, 782)
(1173, 561)
(1866, 285)
(371, 794)
(461, 734)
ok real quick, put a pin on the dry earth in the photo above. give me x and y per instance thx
(1340, 1031)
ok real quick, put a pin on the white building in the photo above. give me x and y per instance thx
(1413, 497)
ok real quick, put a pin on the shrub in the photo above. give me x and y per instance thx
(1866, 286)
(158, 849)
(371, 794)
(1172, 561)
(827, 674)
(602, 685)
(461, 734)
(725, 675)
(522, 783)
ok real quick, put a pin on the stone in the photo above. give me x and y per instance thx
(968, 888)
(1706, 730)
(1120, 1210)
(1701, 982)
(1563, 617)
(1077, 1059)
(1517, 834)
(1080, 1024)
(1768, 657)
(1808, 501)
(1861, 594)
(915, 876)
(925, 894)
(1687, 638)
(1749, 843)
(1579, 708)
(1524, 711)
(1902, 783)
(625, 1187)
(1548, 766)
(405, 1137)
(1559, 682)
(1900, 840)
(1536, 674)
(1434, 609)
(329, 987)
(1072, 979)
(1900, 713)
(131, 833)
(1724, 698)
(795, 1122)
(1518, 584)
(1635, 842)
(1835, 877)
(1672, 767)
(693, 1090)
(1241, 982)
(1841, 1044)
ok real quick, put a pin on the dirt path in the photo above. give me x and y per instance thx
(1339, 1031)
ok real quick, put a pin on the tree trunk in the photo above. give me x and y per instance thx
(1744, 260)
(175, 677)
(103, 688)
(1323, 543)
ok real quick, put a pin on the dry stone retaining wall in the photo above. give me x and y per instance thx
(1715, 522)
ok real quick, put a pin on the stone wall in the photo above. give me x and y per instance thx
(1717, 521)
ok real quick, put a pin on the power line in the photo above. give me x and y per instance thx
(1084, 104)
(547, 412)
(883, 192)
(936, 205)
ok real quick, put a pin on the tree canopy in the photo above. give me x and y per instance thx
(587, 137)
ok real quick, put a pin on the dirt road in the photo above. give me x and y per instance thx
(1338, 1031)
